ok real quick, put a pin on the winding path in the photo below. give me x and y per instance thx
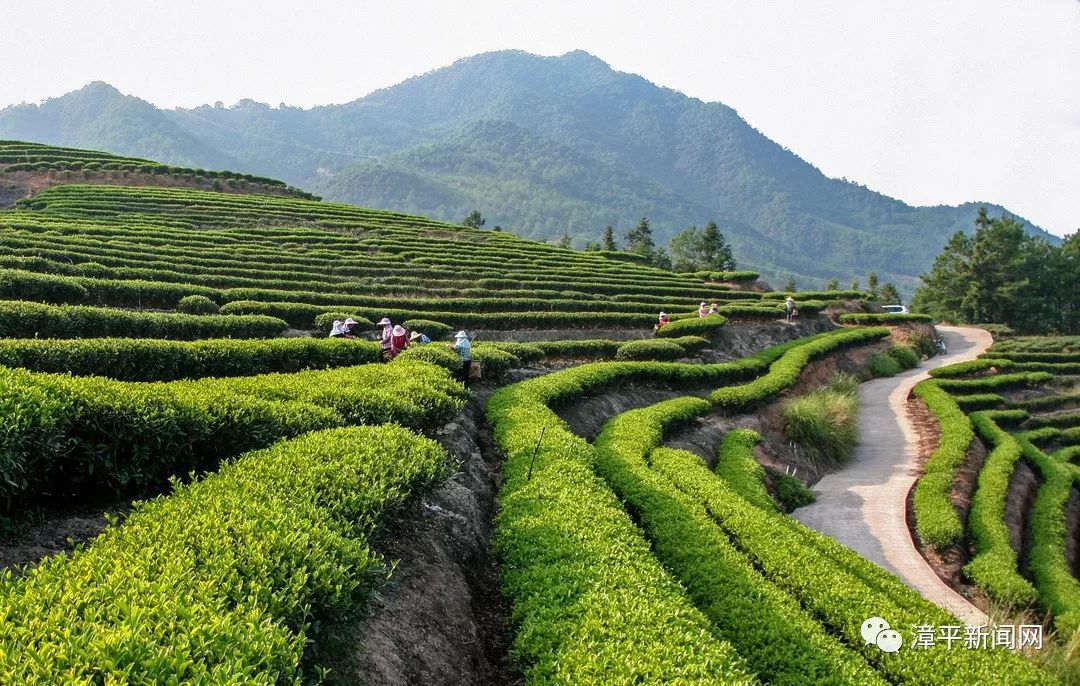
(864, 505)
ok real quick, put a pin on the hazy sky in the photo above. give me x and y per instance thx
(932, 102)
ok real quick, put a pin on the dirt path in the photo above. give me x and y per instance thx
(863, 506)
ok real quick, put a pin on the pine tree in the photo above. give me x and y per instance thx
(789, 287)
(608, 241)
(872, 285)
(833, 285)
(639, 239)
(716, 253)
(889, 295)
(564, 242)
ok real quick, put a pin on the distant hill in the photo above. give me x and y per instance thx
(541, 145)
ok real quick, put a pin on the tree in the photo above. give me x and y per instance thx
(854, 284)
(694, 249)
(686, 250)
(564, 242)
(833, 285)
(872, 285)
(716, 253)
(659, 258)
(639, 239)
(474, 220)
(889, 295)
(608, 241)
(592, 246)
(1002, 275)
(789, 287)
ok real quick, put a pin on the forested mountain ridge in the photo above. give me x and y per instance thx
(541, 145)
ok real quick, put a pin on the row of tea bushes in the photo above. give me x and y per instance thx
(222, 581)
(144, 359)
(33, 320)
(63, 436)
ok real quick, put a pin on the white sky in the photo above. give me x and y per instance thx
(928, 101)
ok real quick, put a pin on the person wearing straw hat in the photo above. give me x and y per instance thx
(661, 322)
(463, 348)
(399, 340)
(338, 329)
(417, 338)
(347, 327)
(703, 309)
(714, 309)
(385, 336)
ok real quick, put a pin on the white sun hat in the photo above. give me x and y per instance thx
(461, 334)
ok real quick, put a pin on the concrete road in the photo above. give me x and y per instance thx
(864, 506)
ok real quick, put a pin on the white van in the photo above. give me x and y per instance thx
(895, 309)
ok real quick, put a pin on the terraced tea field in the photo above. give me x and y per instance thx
(311, 513)
(1010, 418)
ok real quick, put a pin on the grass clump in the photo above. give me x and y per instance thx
(825, 422)
(883, 364)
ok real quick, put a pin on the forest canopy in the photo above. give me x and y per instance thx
(1003, 275)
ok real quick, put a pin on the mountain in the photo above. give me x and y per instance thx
(99, 117)
(542, 146)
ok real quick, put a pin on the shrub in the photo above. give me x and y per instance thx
(994, 566)
(524, 352)
(785, 370)
(492, 361)
(994, 382)
(883, 364)
(762, 311)
(325, 321)
(62, 435)
(226, 575)
(22, 285)
(837, 586)
(692, 344)
(700, 326)
(436, 331)
(978, 401)
(824, 423)
(737, 465)
(142, 359)
(32, 320)
(792, 492)
(969, 368)
(905, 356)
(884, 318)
(197, 304)
(561, 533)
(779, 641)
(936, 521)
(1058, 588)
(650, 350)
(578, 349)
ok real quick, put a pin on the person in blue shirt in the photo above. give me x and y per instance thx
(417, 338)
(463, 348)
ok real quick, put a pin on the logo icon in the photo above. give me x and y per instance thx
(877, 631)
